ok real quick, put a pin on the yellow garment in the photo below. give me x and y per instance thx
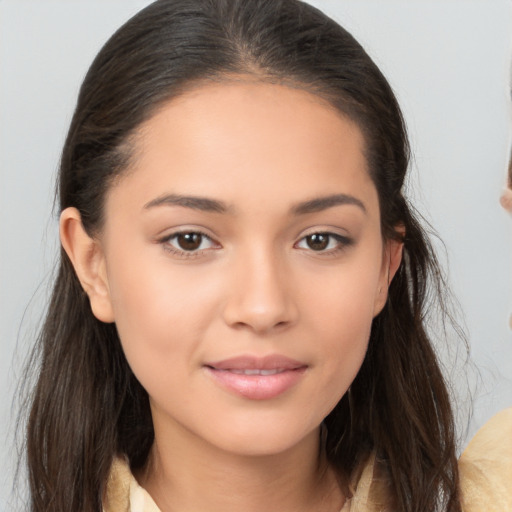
(486, 467)
(485, 475)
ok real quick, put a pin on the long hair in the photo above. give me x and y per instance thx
(87, 406)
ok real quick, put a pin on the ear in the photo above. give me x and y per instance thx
(88, 260)
(391, 259)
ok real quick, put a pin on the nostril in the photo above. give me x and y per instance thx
(258, 298)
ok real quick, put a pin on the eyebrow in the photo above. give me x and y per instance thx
(212, 205)
(194, 202)
(323, 203)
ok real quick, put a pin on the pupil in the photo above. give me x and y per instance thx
(189, 241)
(318, 241)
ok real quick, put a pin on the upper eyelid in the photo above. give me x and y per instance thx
(325, 230)
(336, 236)
(187, 231)
(172, 232)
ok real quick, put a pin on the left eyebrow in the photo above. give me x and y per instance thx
(323, 203)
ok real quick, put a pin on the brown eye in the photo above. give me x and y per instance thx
(325, 243)
(189, 241)
(318, 241)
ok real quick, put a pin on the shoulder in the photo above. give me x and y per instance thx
(485, 473)
(123, 493)
(486, 467)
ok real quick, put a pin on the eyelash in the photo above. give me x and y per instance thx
(182, 253)
(342, 243)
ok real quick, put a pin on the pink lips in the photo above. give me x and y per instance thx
(257, 378)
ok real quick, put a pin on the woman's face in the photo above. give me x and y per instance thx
(244, 264)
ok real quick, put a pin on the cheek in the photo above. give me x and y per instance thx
(342, 300)
(160, 312)
(341, 315)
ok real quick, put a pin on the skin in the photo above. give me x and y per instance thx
(256, 286)
(506, 197)
(506, 200)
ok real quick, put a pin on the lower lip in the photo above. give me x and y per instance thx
(257, 387)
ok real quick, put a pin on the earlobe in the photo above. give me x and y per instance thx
(88, 260)
(392, 258)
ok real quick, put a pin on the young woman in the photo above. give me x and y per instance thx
(238, 318)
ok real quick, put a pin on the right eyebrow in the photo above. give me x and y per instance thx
(194, 202)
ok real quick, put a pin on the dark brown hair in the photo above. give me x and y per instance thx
(87, 406)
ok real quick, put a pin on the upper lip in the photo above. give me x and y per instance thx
(247, 362)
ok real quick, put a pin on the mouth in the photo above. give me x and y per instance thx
(255, 371)
(257, 378)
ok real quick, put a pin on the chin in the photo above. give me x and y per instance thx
(264, 440)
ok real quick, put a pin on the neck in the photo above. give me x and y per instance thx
(191, 475)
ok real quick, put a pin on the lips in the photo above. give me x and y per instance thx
(257, 378)
(256, 371)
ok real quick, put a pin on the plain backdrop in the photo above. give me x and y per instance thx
(449, 63)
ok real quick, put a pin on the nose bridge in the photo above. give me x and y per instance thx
(259, 296)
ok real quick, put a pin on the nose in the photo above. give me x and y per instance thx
(260, 296)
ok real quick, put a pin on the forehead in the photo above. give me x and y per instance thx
(249, 141)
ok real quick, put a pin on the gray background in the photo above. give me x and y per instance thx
(449, 63)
